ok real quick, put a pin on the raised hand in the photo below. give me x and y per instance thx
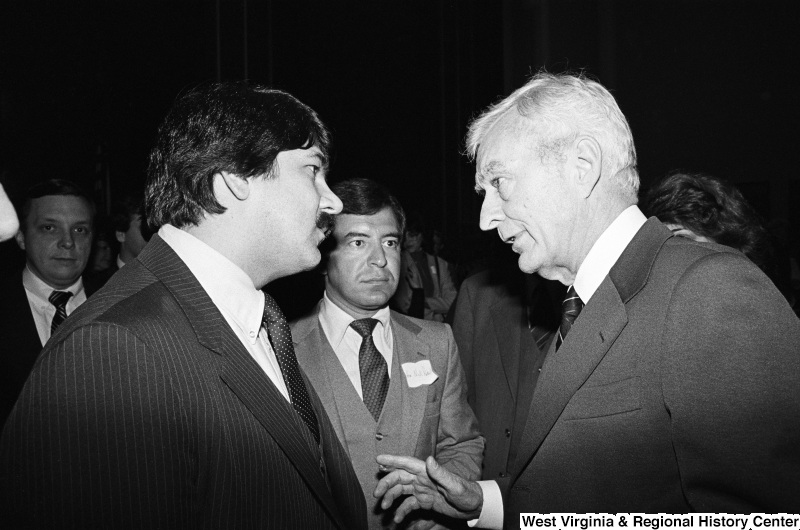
(428, 486)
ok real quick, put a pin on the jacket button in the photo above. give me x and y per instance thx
(508, 433)
(502, 475)
(379, 436)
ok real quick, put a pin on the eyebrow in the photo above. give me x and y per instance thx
(487, 171)
(362, 234)
(53, 220)
(319, 156)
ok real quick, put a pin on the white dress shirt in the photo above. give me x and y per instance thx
(42, 310)
(595, 267)
(234, 294)
(346, 341)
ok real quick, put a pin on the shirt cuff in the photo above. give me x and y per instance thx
(491, 516)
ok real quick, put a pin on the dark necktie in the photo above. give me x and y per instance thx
(570, 309)
(59, 299)
(372, 365)
(280, 336)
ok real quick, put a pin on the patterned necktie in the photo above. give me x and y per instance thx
(280, 336)
(59, 299)
(570, 309)
(372, 365)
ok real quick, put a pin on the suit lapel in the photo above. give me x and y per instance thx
(409, 349)
(564, 371)
(590, 338)
(310, 341)
(240, 372)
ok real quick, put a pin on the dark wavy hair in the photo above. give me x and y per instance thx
(711, 207)
(232, 127)
(364, 197)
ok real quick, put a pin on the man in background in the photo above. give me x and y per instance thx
(128, 236)
(389, 383)
(426, 289)
(173, 398)
(504, 321)
(56, 236)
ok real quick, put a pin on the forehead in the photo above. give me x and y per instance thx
(507, 142)
(69, 208)
(303, 156)
(381, 223)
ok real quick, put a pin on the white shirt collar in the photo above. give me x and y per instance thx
(40, 289)
(335, 321)
(228, 286)
(606, 251)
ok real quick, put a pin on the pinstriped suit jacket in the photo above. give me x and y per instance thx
(145, 411)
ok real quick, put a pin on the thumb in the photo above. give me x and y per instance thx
(444, 480)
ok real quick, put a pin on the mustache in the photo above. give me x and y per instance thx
(325, 223)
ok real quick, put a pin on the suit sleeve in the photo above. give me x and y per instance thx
(401, 300)
(95, 421)
(459, 445)
(731, 370)
(447, 290)
(463, 332)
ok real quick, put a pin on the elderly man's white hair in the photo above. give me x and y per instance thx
(562, 107)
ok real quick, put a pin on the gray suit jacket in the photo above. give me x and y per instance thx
(145, 411)
(677, 390)
(422, 421)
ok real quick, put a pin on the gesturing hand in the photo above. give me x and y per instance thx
(429, 486)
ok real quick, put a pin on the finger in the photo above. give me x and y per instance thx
(422, 524)
(397, 477)
(406, 507)
(407, 463)
(393, 493)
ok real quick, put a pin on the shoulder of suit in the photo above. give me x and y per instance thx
(304, 325)
(128, 304)
(418, 325)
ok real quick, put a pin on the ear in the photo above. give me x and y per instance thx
(589, 164)
(238, 186)
(120, 236)
(19, 237)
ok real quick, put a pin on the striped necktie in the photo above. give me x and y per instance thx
(570, 309)
(59, 299)
(372, 367)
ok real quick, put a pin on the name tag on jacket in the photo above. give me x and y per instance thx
(419, 373)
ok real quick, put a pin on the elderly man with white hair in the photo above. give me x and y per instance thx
(673, 384)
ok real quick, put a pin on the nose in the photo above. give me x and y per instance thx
(491, 212)
(328, 201)
(66, 239)
(378, 256)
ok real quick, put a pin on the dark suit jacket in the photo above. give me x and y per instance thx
(93, 282)
(20, 342)
(676, 390)
(500, 355)
(145, 411)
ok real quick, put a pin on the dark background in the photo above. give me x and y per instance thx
(706, 85)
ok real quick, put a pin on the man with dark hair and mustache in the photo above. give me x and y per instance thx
(388, 382)
(173, 398)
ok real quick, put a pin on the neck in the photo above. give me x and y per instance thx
(601, 212)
